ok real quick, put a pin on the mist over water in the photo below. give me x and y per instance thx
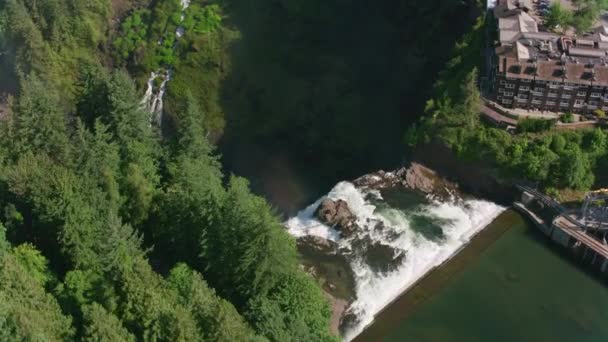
(422, 233)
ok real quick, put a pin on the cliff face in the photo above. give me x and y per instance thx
(477, 179)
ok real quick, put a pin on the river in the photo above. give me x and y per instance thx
(402, 235)
(510, 284)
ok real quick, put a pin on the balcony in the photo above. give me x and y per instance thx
(552, 94)
(569, 88)
(566, 96)
(537, 93)
(536, 102)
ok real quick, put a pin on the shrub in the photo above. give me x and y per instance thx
(567, 118)
(599, 113)
(532, 125)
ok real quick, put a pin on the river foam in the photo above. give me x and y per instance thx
(458, 221)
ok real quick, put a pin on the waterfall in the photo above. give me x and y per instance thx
(152, 100)
(422, 234)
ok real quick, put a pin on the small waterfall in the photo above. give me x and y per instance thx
(152, 100)
(422, 235)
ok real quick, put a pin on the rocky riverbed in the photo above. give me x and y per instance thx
(369, 239)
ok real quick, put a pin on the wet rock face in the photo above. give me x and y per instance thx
(338, 215)
(314, 244)
(416, 177)
(323, 260)
(380, 257)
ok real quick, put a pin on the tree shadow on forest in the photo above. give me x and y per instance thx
(320, 91)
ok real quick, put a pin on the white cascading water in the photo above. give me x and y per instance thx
(460, 221)
(153, 101)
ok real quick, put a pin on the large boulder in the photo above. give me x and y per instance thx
(338, 215)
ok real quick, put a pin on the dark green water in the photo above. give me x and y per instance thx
(518, 288)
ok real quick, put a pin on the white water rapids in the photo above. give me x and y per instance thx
(459, 220)
(153, 98)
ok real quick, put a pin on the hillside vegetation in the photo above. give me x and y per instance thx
(110, 232)
(558, 161)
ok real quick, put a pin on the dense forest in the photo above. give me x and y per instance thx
(112, 232)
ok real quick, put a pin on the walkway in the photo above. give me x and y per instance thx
(567, 227)
(497, 118)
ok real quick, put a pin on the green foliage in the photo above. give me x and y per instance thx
(599, 113)
(133, 34)
(39, 124)
(54, 39)
(102, 326)
(558, 17)
(534, 125)
(34, 263)
(585, 16)
(83, 187)
(27, 311)
(202, 19)
(218, 318)
(567, 118)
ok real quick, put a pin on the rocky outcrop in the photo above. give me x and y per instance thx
(322, 260)
(415, 177)
(338, 215)
(476, 178)
(380, 257)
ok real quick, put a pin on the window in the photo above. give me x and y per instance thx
(569, 87)
(581, 93)
(526, 80)
(552, 94)
(597, 87)
(539, 90)
(578, 103)
(550, 103)
(510, 86)
(593, 103)
(523, 96)
(536, 102)
(503, 82)
(524, 88)
(505, 101)
(508, 93)
(564, 104)
(595, 95)
(566, 96)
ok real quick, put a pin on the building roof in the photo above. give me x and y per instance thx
(526, 53)
(555, 71)
(511, 25)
